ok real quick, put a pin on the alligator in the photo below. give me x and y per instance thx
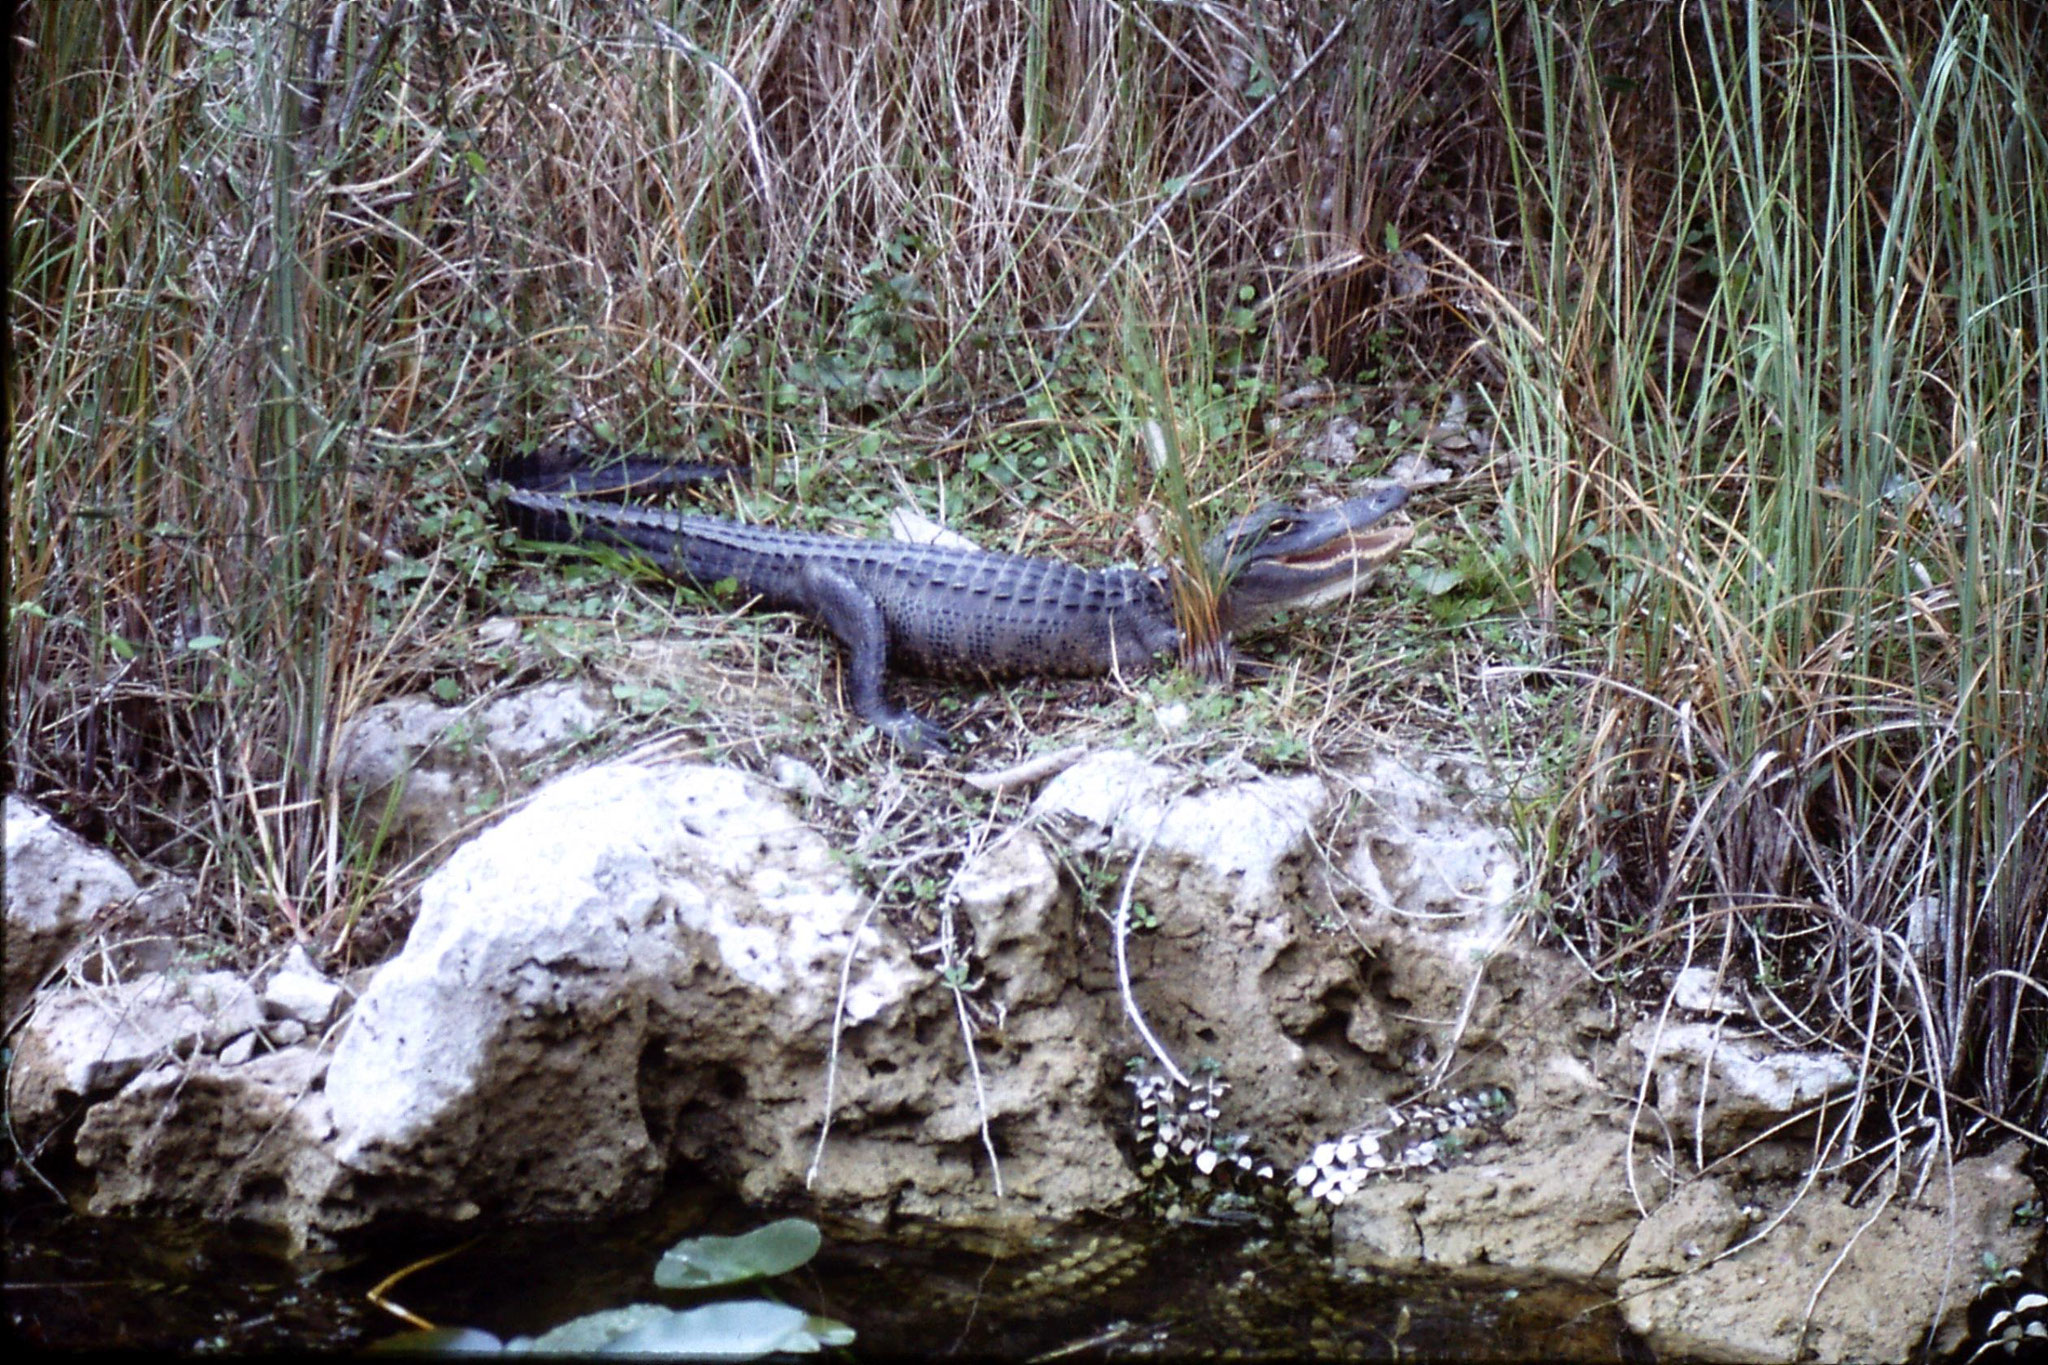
(957, 613)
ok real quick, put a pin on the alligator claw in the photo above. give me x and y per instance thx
(914, 734)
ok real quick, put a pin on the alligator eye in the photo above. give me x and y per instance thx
(1280, 526)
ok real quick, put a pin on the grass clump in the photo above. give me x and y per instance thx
(1782, 493)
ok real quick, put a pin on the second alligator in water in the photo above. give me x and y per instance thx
(960, 613)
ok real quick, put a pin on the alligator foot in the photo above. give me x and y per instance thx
(911, 732)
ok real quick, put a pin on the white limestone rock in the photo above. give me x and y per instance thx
(634, 943)
(1237, 839)
(437, 766)
(56, 884)
(87, 1042)
(299, 990)
(1717, 1086)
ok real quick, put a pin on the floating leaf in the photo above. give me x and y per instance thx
(701, 1262)
(591, 1333)
(745, 1329)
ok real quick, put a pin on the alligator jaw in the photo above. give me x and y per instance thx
(1330, 574)
(1280, 559)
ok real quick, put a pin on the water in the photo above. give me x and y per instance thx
(1106, 1291)
(94, 1284)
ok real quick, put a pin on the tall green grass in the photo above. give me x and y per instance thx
(1780, 419)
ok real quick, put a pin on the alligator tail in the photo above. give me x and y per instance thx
(606, 472)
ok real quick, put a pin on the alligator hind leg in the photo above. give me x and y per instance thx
(851, 613)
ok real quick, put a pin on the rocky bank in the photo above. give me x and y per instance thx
(647, 968)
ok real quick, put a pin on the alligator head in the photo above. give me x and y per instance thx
(1281, 557)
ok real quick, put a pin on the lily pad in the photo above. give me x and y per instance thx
(745, 1329)
(702, 1262)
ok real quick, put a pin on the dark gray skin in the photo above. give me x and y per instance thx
(956, 613)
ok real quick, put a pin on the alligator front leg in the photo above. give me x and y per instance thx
(850, 612)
